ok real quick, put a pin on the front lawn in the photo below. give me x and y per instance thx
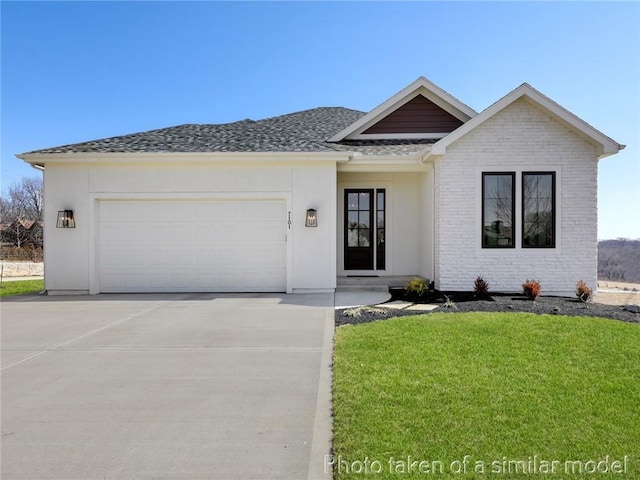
(498, 395)
(19, 287)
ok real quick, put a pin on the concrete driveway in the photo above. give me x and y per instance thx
(184, 386)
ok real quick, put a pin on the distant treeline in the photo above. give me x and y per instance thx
(619, 260)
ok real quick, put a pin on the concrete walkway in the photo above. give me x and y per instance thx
(194, 386)
(347, 297)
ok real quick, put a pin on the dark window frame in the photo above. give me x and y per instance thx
(513, 210)
(381, 248)
(553, 209)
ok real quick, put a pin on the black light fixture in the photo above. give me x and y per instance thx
(65, 219)
(312, 218)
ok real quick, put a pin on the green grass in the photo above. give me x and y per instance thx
(20, 287)
(496, 387)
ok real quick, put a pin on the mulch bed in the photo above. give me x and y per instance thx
(467, 302)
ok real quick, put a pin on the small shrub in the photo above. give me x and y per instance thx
(531, 288)
(356, 312)
(481, 287)
(416, 288)
(583, 292)
(449, 303)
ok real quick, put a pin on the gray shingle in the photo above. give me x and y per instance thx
(305, 131)
(384, 147)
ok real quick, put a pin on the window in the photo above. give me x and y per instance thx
(538, 209)
(380, 227)
(497, 210)
(359, 218)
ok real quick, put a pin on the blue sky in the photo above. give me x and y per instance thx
(76, 71)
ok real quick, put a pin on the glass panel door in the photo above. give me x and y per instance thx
(364, 213)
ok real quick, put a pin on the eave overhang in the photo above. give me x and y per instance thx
(40, 160)
(605, 146)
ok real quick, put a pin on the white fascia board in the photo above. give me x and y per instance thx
(421, 86)
(398, 136)
(383, 163)
(41, 159)
(606, 146)
(382, 167)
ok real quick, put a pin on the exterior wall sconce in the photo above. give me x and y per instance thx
(65, 219)
(312, 218)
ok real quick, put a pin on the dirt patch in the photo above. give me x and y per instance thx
(617, 293)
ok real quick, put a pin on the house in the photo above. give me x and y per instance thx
(22, 232)
(420, 185)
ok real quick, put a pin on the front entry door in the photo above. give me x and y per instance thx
(364, 229)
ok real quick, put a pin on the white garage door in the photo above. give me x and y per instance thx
(192, 246)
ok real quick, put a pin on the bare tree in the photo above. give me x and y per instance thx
(21, 213)
(6, 214)
(25, 198)
(619, 260)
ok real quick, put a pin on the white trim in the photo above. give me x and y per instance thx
(421, 86)
(398, 136)
(385, 163)
(605, 145)
(41, 159)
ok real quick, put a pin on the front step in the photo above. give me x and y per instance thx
(386, 281)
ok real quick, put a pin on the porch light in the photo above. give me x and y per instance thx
(312, 218)
(65, 219)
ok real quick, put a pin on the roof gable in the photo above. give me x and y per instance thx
(418, 115)
(420, 110)
(605, 146)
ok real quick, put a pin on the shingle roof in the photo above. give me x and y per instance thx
(305, 131)
(383, 147)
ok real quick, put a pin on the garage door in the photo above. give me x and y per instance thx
(192, 246)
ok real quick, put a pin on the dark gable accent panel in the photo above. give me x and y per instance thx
(418, 115)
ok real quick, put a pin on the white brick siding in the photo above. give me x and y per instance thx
(519, 138)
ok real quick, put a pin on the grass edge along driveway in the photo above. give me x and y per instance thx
(21, 287)
(485, 395)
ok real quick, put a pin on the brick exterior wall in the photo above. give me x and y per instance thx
(519, 138)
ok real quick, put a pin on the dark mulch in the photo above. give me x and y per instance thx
(467, 302)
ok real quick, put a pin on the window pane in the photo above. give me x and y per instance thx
(363, 237)
(364, 220)
(352, 237)
(352, 201)
(497, 210)
(353, 219)
(537, 210)
(364, 201)
(380, 217)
